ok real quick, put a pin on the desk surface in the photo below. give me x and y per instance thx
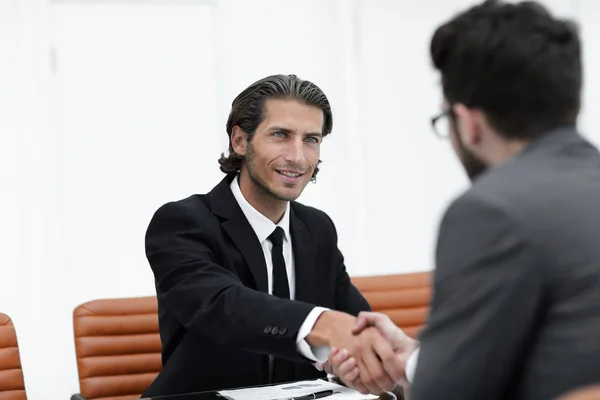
(214, 395)
(217, 396)
(190, 396)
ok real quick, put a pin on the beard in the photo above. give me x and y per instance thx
(472, 164)
(260, 184)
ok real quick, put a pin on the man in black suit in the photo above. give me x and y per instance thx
(516, 292)
(247, 279)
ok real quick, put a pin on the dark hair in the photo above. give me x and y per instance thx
(515, 62)
(247, 110)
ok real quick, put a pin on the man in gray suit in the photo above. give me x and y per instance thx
(516, 291)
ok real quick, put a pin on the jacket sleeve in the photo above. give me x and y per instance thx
(207, 298)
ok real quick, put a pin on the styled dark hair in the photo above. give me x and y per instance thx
(247, 110)
(515, 62)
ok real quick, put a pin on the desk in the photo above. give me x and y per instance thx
(189, 396)
(217, 396)
(214, 395)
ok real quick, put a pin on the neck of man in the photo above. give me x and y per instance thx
(264, 202)
(506, 150)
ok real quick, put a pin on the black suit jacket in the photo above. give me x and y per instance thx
(217, 322)
(516, 305)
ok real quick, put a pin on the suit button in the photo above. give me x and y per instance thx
(282, 331)
(268, 330)
(275, 331)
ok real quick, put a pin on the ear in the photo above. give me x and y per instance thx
(468, 123)
(239, 140)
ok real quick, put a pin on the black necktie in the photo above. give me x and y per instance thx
(281, 287)
(282, 370)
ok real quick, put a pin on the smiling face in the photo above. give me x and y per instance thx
(284, 151)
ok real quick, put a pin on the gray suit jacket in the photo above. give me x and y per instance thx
(516, 306)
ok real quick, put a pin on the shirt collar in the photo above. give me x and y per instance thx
(262, 226)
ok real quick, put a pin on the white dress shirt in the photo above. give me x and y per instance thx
(411, 365)
(263, 227)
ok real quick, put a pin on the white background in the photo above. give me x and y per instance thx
(108, 109)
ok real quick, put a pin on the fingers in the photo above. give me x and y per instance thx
(373, 355)
(366, 319)
(379, 379)
(359, 384)
(362, 321)
(391, 362)
(337, 358)
(332, 354)
(376, 357)
(328, 367)
(347, 368)
(365, 377)
(344, 366)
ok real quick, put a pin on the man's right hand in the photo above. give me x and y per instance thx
(402, 344)
(379, 367)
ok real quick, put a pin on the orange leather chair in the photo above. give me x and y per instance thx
(117, 346)
(404, 298)
(12, 385)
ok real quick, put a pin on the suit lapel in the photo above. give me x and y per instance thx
(304, 260)
(244, 238)
(239, 230)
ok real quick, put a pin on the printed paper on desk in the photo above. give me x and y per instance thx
(295, 389)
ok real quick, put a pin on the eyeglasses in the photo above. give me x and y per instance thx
(441, 124)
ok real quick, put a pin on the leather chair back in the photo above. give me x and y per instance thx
(118, 347)
(404, 298)
(12, 384)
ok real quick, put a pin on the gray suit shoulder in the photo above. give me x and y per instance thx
(523, 188)
(548, 176)
(550, 191)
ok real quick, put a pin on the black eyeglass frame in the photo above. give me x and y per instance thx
(446, 113)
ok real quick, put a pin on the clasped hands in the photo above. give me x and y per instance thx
(368, 353)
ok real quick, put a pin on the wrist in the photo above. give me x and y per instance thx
(409, 345)
(409, 348)
(414, 346)
(320, 334)
(326, 326)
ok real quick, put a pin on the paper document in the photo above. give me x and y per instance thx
(295, 389)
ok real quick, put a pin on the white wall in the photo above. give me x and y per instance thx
(108, 109)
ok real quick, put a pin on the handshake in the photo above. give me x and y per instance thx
(368, 353)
